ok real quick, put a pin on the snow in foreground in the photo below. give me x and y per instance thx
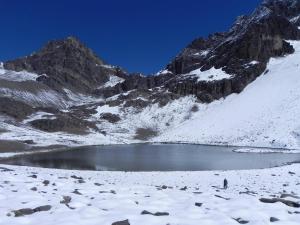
(265, 114)
(93, 198)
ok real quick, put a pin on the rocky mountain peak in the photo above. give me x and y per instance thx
(66, 63)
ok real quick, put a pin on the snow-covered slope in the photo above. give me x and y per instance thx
(265, 114)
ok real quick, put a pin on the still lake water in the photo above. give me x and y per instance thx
(160, 157)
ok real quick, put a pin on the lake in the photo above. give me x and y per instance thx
(154, 157)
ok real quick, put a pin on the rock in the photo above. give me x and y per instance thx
(42, 208)
(124, 222)
(241, 221)
(286, 202)
(66, 200)
(218, 196)
(16, 109)
(29, 142)
(198, 204)
(273, 219)
(64, 123)
(33, 189)
(76, 192)
(145, 133)
(28, 211)
(289, 195)
(112, 118)
(76, 177)
(46, 182)
(23, 212)
(145, 212)
(183, 189)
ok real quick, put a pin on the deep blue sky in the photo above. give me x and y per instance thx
(138, 35)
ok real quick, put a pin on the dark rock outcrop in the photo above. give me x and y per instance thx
(64, 123)
(112, 118)
(16, 109)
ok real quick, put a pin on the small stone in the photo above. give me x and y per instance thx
(66, 200)
(198, 204)
(46, 182)
(33, 189)
(273, 219)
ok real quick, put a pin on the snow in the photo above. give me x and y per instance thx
(44, 97)
(265, 150)
(39, 115)
(106, 109)
(166, 71)
(17, 76)
(113, 81)
(212, 74)
(265, 114)
(124, 195)
(202, 53)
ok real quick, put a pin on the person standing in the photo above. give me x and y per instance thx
(225, 185)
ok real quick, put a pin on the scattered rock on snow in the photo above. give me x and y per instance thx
(286, 202)
(198, 204)
(145, 212)
(273, 219)
(124, 222)
(29, 211)
(241, 221)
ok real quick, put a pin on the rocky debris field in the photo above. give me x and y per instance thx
(31, 195)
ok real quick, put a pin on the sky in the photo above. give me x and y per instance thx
(138, 35)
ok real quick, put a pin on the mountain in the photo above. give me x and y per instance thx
(237, 87)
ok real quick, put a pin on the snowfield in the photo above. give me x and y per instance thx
(180, 198)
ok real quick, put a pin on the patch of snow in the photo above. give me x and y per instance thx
(212, 74)
(252, 63)
(113, 81)
(203, 53)
(265, 150)
(107, 66)
(106, 109)
(39, 115)
(166, 71)
(40, 98)
(17, 76)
